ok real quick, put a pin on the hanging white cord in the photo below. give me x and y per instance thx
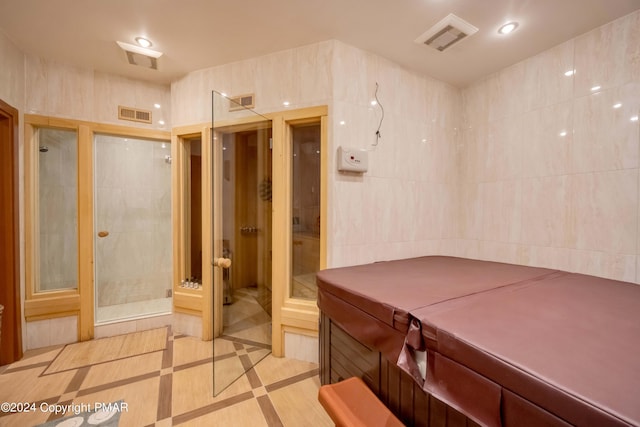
(378, 135)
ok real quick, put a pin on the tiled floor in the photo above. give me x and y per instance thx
(163, 387)
(167, 379)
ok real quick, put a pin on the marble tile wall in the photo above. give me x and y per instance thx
(307, 83)
(187, 324)
(301, 347)
(527, 165)
(549, 168)
(62, 90)
(405, 204)
(11, 73)
(44, 333)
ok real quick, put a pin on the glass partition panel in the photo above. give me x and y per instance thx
(241, 224)
(57, 222)
(193, 213)
(305, 210)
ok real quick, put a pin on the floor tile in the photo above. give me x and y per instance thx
(168, 380)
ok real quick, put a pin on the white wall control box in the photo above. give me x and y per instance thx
(353, 159)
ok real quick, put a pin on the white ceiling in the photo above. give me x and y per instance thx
(196, 34)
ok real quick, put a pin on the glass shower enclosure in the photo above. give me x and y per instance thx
(132, 222)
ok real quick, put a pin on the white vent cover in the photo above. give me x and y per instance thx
(446, 33)
(140, 56)
(134, 114)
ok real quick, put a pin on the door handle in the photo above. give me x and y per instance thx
(103, 233)
(222, 262)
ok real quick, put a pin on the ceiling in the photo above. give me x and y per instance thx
(197, 34)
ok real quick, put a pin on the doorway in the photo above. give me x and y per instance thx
(242, 221)
(132, 210)
(10, 313)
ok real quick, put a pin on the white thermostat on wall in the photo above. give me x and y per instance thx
(353, 159)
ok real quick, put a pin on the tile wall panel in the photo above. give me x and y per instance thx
(549, 167)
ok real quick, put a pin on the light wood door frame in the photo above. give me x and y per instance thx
(11, 333)
(194, 302)
(71, 302)
(288, 314)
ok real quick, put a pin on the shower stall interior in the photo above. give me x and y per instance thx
(110, 191)
(132, 222)
(57, 210)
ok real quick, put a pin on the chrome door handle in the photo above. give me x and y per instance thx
(222, 262)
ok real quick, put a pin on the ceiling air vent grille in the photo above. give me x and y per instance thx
(134, 114)
(242, 102)
(446, 33)
(140, 56)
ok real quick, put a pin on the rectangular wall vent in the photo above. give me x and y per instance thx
(134, 114)
(446, 33)
(242, 102)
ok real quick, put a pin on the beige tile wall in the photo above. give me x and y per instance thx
(11, 73)
(44, 333)
(549, 168)
(405, 204)
(62, 90)
(493, 179)
(307, 83)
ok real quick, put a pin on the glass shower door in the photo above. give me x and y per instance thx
(241, 225)
(132, 188)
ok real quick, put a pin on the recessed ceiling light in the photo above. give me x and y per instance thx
(285, 103)
(595, 88)
(143, 42)
(570, 73)
(157, 105)
(508, 27)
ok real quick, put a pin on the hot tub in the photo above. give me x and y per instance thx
(504, 344)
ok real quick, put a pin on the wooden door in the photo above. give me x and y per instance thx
(245, 271)
(11, 332)
(196, 216)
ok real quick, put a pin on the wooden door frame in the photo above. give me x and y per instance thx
(288, 314)
(9, 228)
